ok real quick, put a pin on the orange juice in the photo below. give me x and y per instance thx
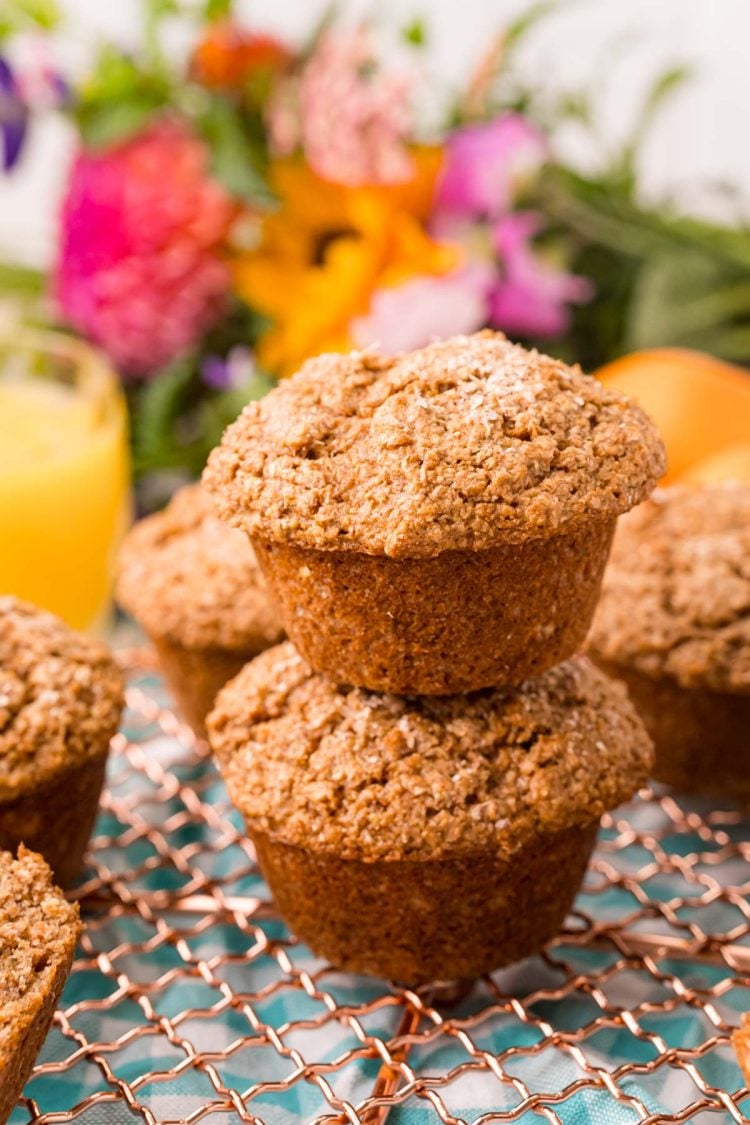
(64, 498)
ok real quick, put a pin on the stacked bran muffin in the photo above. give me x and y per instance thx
(424, 773)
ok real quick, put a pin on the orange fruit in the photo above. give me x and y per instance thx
(700, 404)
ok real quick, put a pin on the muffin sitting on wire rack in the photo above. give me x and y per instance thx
(193, 583)
(674, 624)
(61, 695)
(421, 816)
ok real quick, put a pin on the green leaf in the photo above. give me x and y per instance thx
(28, 15)
(415, 33)
(517, 30)
(238, 159)
(109, 123)
(21, 281)
(155, 408)
(689, 299)
(159, 9)
(661, 90)
(218, 411)
(326, 20)
(600, 210)
(731, 343)
(662, 307)
(118, 98)
(214, 10)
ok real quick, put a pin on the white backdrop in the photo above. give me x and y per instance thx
(703, 136)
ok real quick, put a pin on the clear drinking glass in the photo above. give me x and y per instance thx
(64, 474)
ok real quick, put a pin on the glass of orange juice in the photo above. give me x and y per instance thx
(64, 475)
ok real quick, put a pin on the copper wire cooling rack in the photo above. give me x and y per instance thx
(190, 1001)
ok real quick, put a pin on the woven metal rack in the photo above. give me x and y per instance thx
(190, 1001)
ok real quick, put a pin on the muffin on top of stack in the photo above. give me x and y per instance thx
(423, 775)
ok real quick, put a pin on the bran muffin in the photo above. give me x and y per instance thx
(38, 935)
(388, 827)
(674, 624)
(193, 584)
(438, 522)
(61, 695)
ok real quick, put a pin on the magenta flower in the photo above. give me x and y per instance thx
(142, 226)
(531, 297)
(424, 309)
(485, 165)
(351, 117)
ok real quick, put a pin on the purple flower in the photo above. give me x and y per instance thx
(230, 373)
(14, 116)
(532, 296)
(215, 373)
(485, 165)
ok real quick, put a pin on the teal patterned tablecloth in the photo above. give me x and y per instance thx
(190, 1001)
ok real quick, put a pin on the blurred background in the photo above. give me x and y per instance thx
(198, 195)
(697, 145)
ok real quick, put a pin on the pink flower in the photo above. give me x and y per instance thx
(423, 309)
(142, 227)
(484, 167)
(531, 297)
(353, 118)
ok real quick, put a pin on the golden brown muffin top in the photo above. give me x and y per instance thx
(61, 695)
(368, 776)
(38, 935)
(187, 576)
(676, 593)
(457, 446)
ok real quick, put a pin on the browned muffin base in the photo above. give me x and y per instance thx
(455, 623)
(415, 921)
(57, 818)
(40, 932)
(701, 738)
(15, 1073)
(194, 676)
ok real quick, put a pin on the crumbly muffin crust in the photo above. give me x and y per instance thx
(38, 935)
(459, 446)
(676, 593)
(35, 921)
(186, 575)
(61, 695)
(365, 776)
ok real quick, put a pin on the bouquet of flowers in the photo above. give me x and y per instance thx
(234, 211)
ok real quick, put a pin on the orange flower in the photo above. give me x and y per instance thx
(700, 404)
(227, 57)
(326, 250)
